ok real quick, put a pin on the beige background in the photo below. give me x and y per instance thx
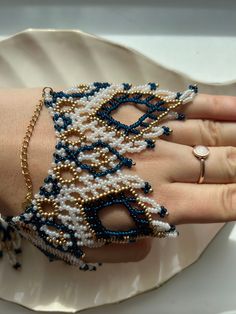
(169, 79)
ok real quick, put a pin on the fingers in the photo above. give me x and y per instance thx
(117, 253)
(211, 107)
(199, 203)
(186, 202)
(220, 166)
(202, 132)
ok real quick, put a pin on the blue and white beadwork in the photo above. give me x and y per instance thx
(87, 174)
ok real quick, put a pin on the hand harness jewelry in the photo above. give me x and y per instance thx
(91, 147)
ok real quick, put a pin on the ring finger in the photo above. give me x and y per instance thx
(220, 166)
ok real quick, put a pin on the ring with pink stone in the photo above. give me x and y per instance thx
(201, 152)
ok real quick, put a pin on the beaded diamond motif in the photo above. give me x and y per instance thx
(87, 169)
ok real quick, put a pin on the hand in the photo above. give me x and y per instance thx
(173, 171)
(171, 167)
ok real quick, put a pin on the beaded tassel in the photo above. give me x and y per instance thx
(10, 243)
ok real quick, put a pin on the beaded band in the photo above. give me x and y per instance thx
(90, 147)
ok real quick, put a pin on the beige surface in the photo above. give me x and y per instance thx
(34, 58)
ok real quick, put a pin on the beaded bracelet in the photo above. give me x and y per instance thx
(91, 147)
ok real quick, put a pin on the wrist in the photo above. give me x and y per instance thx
(16, 112)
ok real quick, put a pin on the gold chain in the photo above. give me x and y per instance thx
(24, 150)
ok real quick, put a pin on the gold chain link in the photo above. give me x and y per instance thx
(24, 150)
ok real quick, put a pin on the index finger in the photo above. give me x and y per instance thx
(214, 107)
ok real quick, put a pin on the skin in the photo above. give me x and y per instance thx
(171, 167)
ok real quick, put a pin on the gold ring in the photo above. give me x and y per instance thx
(201, 152)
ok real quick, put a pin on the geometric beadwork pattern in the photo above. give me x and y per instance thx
(86, 174)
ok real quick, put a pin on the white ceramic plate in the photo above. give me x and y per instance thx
(63, 58)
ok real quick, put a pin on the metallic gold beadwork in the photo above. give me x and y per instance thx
(72, 131)
(83, 87)
(67, 103)
(24, 152)
(45, 213)
(58, 170)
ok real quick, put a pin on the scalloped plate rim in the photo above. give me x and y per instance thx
(123, 46)
(135, 52)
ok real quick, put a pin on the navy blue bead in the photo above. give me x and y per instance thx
(146, 188)
(17, 265)
(181, 116)
(166, 130)
(194, 88)
(163, 212)
(127, 86)
(172, 228)
(153, 86)
(150, 143)
(178, 95)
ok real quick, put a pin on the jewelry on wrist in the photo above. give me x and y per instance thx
(63, 217)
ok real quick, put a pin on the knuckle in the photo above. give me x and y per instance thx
(230, 163)
(216, 104)
(227, 202)
(210, 132)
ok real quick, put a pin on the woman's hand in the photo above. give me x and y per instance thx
(170, 167)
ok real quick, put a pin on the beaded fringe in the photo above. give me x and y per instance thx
(10, 243)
